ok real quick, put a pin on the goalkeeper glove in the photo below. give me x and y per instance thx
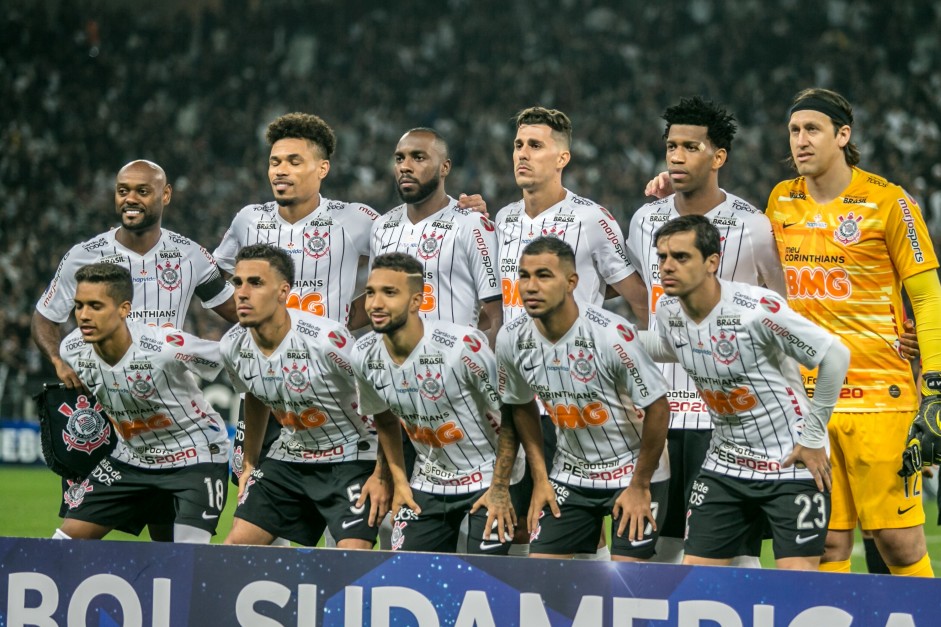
(924, 436)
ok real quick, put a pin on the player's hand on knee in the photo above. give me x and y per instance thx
(499, 511)
(379, 494)
(659, 186)
(924, 435)
(543, 496)
(402, 497)
(247, 469)
(816, 461)
(473, 202)
(633, 509)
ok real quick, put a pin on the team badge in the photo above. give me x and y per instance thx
(169, 276)
(429, 245)
(86, 428)
(472, 343)
(76, 492)
(430, 385)
(555, 231)
(295, 378)
(626, 333)
(398, 534)
(141, 387)
(582, 368)
(238, 461)
(847, 232)
(248, 484)
(316, 245)
(723, 350)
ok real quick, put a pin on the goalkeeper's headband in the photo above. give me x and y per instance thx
(832, 111)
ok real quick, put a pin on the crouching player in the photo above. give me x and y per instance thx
(172, 444)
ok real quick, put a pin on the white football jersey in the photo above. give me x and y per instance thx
(445, 396)
(742, 359)
(457, 248)
(749, 255)
(152, 400)
(165, 278)
(325, 246)
(593, 382)
(592, 232)
(309, 385)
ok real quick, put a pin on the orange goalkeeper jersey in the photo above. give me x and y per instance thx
(844, 263)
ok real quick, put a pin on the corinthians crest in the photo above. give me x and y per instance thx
(723, 350)
(75, 493)
(429, 245)
(582, 367)
(430, 385)
(141, 386)
(296, 378)
(848, 230)
(317, 245)
(168, 276)
(86, 429)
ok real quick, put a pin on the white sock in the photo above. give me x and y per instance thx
(60, 535)
(187, 534)
(601, 555)
(746, 561)
(280, 542)
(669, 551)
(519, 550)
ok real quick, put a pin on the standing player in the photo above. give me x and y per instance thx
(438, 378)
(541, 151)
(698, 141)
(455, 246)
(319, 473)
(608, 401)
(768, 458)
(167, 269)
(849, 241)
(172, 442)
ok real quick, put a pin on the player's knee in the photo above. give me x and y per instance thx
(839, 546)
(901, 547)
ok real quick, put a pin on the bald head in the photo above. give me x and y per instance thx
(144, 166)
(141, 192)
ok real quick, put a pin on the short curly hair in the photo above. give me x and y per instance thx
(560, 123)
(719, 123)
(303, 126)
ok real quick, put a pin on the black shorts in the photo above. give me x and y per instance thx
(524, 489)
(724, 510)
(582, 515)
(436, 529)
(272, 433)
(160, 512)
(298, 501)
(123, 497)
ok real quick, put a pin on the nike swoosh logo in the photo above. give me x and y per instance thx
(509, 241)
(487, 546)
(208, 516)
(349, 523)
(789, 225)
(384, 246)
(251, 377)
(382, 387)
(527, 368)
(802, 540)
(902, 511)
(641, 542)
(680, 344)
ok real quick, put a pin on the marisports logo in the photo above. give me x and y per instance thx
(429, 245)
(582, 366)
(75, 493)
(338, 340)
(296, 378)
(847, 232)
(723, 350)
(86, 428)
(169, 276)
(141, 387)
(626, 333)
(430, 385)
(316, 245)
(472, 343)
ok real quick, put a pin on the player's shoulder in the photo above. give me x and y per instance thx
(390, 218)
(877, 192)
(257, 211)
(516, 325)
(73, 345)
(317, 327)
(655, 211)
(168, 239)
(469, 219)
(93, 246)
(788, 190)
(509, 213)
(739, 207)
(233, 338)
(442, 334)
(350, 211)
(751, 300)
(598, 317)
(366, 343)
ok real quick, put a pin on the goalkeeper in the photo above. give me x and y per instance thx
(849, 240)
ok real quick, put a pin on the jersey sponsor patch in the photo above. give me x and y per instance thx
(76, 492)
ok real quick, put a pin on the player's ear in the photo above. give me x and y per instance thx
(843, 135)
(167, 193)
(564, 157)
(573, 282)
(284, 291)
(124, 309)
(719, 157)
(445, 168)
(712, 263)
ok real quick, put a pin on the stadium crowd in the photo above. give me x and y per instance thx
(86, 88)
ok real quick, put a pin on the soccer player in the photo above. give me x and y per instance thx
(850, 240)
(541, 150)
(768, 457)
(322, 471)
(698, 139)
(172, 442)
(607, 400)
(167, 269)
(439, 379)
(456, 247)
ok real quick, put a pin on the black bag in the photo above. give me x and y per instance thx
(74, 431)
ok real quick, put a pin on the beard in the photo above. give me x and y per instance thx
(393, 325)
(424, 190)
